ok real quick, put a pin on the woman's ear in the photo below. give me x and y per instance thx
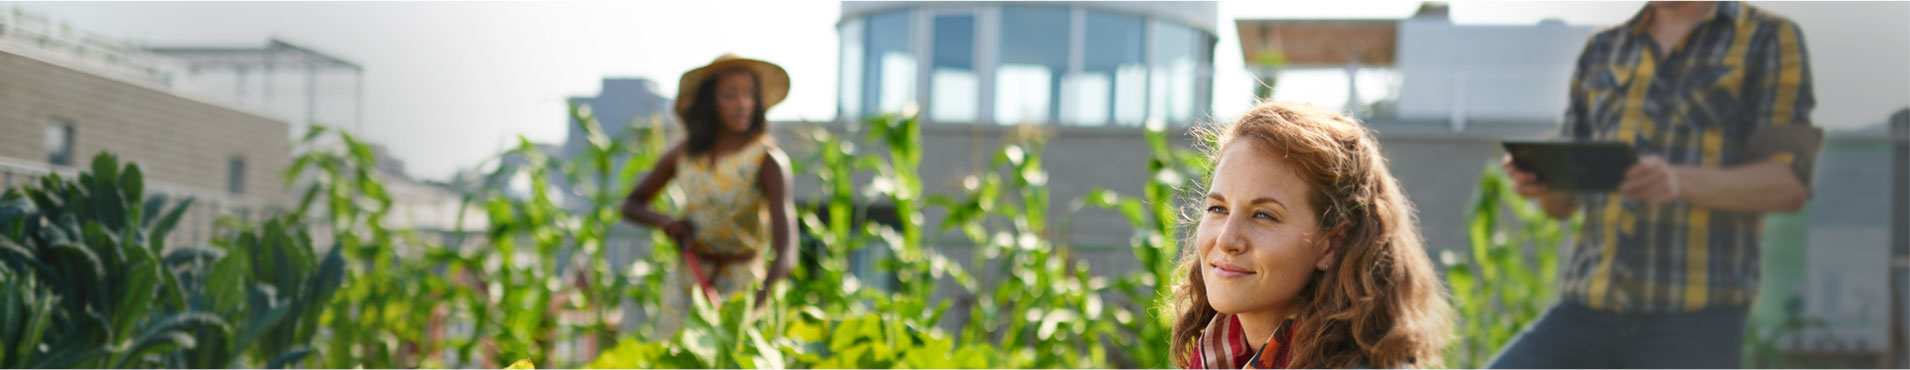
(1331, 243)
(1326, 259)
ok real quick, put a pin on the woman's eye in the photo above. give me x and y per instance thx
(1264, 216)
(1217, 209)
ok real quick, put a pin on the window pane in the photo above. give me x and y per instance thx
(952, 82)
(59, 143)
(1113, 41)
(1114, 45)
(851, 100)
(1034, 55)
(1130, 89)
(235, 175)
(955, 41)
(889, 75)
(955, 95)
(1084, 99)
(898, 82)
(1022, 94)
(1175, 51)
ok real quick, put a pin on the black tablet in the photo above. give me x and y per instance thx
(1584, 167)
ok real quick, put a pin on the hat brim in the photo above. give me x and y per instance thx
(773, 81)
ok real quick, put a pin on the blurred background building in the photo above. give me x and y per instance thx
(68, 94)
(213, 123)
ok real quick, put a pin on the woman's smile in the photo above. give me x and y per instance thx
(1224, 270)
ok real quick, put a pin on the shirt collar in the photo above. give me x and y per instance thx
(1640, 22)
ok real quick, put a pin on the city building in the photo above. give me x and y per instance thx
(67, 94)
(1064, 64)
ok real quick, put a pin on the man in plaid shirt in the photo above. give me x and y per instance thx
(1716, 99)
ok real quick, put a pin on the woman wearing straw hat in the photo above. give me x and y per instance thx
(735, 185)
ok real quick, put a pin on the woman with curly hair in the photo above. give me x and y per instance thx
(1306, 253)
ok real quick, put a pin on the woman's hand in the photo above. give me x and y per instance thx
(680, 231)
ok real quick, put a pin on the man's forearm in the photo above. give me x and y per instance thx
(1768, 186)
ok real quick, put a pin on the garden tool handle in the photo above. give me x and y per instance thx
(696, 271)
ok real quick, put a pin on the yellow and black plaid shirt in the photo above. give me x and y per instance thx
(1695, 104)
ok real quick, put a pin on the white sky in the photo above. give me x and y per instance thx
(448, 84)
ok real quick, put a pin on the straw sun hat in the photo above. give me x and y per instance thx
(774, 82)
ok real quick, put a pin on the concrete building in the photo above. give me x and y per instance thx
(66, 95)
(620, 104)
(1059, 64)
(1085, 75)
(1456, 73)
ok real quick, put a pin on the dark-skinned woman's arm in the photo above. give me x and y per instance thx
(775, 182)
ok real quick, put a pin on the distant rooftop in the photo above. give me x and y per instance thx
(276, 52)
(34, 35)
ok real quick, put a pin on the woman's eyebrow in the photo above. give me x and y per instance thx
(1283, 206)
(1223, 199)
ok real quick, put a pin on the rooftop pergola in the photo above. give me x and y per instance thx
(275, 55)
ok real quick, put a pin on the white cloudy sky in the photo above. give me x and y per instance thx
(450, 83)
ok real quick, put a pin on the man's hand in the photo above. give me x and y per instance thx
(1525, 183)
(1650, 180)
(1556, 204)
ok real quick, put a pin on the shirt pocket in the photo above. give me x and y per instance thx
(1713, 97)
(1603, 87)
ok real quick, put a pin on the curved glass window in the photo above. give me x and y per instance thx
(849, 95)
(954, 88)
(889, 64)
(1110, 85)
(1176, 54)
(1034, 57)
(1038, 63)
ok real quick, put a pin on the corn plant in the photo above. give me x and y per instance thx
(1157, 225)
(1510, 275)
(1043, 307)
(385, 310)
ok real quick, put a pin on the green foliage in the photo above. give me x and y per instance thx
(89, 282)
(1509, 275)
(1156, 244)
(382, 311)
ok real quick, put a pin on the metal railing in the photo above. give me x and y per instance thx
(22, 28)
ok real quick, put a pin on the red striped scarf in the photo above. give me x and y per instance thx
(1223, 345)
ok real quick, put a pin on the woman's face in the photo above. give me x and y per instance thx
(1259, 239)
(735, 100)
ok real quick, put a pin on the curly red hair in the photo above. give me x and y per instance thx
(1380, 303)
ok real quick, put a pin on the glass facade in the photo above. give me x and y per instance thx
(849, 84)
(1113, 80)
(1175, 71)
(1010, 64)
(889, 63)
(954, 86)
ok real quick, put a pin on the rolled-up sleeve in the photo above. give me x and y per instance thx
(1782, 98)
